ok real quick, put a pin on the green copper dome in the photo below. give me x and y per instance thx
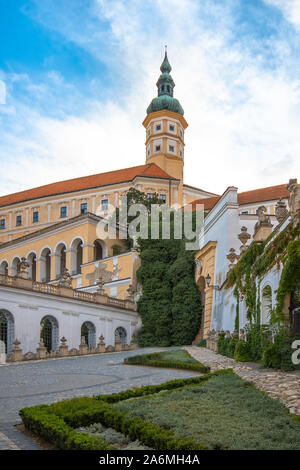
(165, 86)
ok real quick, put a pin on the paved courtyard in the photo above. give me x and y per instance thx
(32, 383)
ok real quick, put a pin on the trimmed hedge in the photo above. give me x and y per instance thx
(55, 430)
(55, 422)
(154, 360)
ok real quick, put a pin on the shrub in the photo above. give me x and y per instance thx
(242, 352)
(202, 343)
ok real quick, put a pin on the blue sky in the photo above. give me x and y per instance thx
(76, 77)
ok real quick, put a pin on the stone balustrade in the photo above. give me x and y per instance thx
(213, 337)
(17, 355)
(52, 289)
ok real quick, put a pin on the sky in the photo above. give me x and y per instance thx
(76, 77)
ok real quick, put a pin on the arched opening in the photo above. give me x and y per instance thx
(7, 329)
(76, 256)
(45, 263)
(295, 310)
(98, 251)
(60, 260)
(4, 268)
(122, 333)
(31, 259)
(88, 331)
(266, 305)
(49, 333)
(15, 266)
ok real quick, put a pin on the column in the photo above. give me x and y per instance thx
(88, 251)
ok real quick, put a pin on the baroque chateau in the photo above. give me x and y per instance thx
(58, 279)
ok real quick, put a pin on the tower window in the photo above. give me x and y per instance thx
(104, 204)
(171, 128)
(35, 217)
(18, 220)
(148, 130)
(158, 127)
(181, 153)
(171, 148)
(162, 87)
(2, 224)
(180, 133)
(63, 211)
(83, 208)
(157, 148)
(168, 88)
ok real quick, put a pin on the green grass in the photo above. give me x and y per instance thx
(174, 358)
(225, 412)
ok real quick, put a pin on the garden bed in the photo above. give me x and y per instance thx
(213, 411)
(65, 424)
(176, 358)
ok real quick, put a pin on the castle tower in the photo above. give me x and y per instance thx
(165, 126)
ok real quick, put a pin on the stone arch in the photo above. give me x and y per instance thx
(50, 333)
(122, 333)
(76, 255)
(88, 331)
(100, 250)
(60, 258)
(45, 264)
(7, 329)
(266, 304)
(15, 266)
(202, 285)
(31, 259)
(4, 267)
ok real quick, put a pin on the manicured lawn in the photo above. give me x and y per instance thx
(176, 358)
(225, 412)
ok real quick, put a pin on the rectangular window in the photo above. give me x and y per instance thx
(149, 195)
(18, 220)
(104, 204)
(171, 148)
(163, 198)
(158, 127)
(172, 128)
(157, 148)
(83, 208)
(2, 224)
(35, 217)
(244, 212)
(63, 211)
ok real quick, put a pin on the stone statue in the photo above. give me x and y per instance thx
(24, 265)
(294, 201)
(244, 236)
(199, 266)
(281, 210)
(65, 280)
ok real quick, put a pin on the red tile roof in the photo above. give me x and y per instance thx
(85, 182)
(249, 197)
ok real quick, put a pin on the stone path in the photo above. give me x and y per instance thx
(282, 385)
(32, 383)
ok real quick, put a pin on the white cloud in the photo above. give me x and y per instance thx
(243, 118)
(290, 8)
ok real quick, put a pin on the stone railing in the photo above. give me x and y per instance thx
(17, 355)
(213, 337)
(51, 289)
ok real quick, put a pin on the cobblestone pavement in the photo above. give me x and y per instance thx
(282, 385)
(32, 383)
